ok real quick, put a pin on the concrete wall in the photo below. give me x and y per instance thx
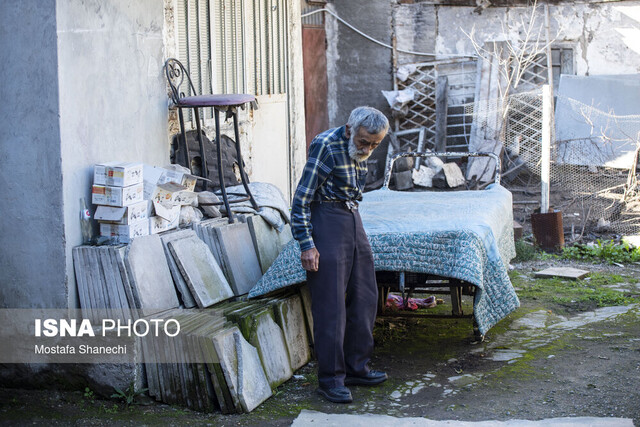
(113, 102)
(357, 69)
(32, 257)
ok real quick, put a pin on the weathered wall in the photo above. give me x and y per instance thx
(32, 256)
(605, 38)
(357, 69)
(113, 102)
(267, 156)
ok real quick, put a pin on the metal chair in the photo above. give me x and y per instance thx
(178, 76)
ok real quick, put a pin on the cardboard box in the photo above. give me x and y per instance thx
(123, 215)
(152, 175)
(157, 224)
(174, 194)
(187, 180)
(156, 175)
(117, 174)
(124, 233)
(168, 212)
(116, 196)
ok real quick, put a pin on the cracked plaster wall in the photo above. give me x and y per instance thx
(605, 38)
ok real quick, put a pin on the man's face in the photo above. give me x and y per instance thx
(362, 143)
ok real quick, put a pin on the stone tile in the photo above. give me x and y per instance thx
(200, 270)
(149, 274)
(305, 294)
(181, 285)
(265, 240)
(260, 329)
(242, 369)
(241, 265)
(284, 237)
(289, 315)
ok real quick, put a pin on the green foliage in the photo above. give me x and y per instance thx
(526, 251)
(609, 252)
(88, 394)
(128, 395)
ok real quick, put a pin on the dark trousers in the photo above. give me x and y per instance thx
(344, 294)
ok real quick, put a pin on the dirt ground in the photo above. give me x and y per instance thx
(571, 349)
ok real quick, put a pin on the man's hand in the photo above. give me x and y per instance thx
(310, 259)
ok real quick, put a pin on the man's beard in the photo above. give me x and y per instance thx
(355, 154)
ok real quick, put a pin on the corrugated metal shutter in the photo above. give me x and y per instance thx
(233, 46)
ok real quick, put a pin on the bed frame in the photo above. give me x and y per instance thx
(407, 283)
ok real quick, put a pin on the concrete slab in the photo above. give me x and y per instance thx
(242, 268)
(305, 294)
(265, 240)
(259, 328)
(290, 317)
(564, 272)
(315, 418)
(242, 369)
(181, 285)
(149, 273)
(284, 237)
(200, 270)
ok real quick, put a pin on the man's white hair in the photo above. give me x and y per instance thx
(372, 120)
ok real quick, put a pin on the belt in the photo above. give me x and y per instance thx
(352, 205)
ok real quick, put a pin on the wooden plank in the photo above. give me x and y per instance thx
(442, 92)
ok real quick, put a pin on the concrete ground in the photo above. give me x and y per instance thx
(571, 350)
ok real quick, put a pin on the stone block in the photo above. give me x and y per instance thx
(404, 180)
(453, 175)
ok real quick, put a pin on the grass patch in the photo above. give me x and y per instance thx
(599, 251)
(575, 295)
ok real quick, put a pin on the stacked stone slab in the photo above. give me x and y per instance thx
(257, 324)
(186, 298)
(200, 271)
(149, 274)
(233, 249)
(289, 314)
(103, 283)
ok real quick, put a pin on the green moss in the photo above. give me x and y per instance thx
(574, 295)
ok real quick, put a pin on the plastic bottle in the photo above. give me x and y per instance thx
(85, 222)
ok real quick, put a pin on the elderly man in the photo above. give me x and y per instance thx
(337, 254)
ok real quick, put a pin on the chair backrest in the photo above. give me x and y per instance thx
(178, 79)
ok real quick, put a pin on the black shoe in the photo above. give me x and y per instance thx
(336, 394)
(372, 378)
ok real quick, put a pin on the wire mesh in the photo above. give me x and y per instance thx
(588, 178)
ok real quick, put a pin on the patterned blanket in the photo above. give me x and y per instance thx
(464, 234)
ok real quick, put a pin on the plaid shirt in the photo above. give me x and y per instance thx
(329, 175)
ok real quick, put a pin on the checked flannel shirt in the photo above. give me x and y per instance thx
(329, 175)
